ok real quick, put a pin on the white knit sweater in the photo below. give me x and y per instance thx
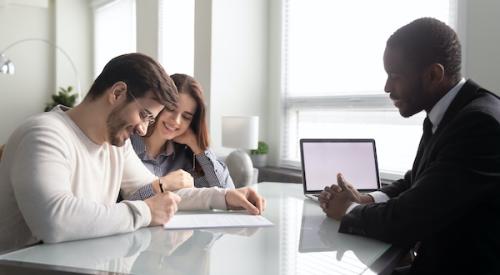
(57, 185)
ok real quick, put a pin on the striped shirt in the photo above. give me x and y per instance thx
(179, 156)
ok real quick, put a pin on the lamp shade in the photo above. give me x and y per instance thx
(240, 132)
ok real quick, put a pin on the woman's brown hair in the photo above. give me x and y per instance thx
(188, 85)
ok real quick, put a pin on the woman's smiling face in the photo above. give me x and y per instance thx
(174, 123)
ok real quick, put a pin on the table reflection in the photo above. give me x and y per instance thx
(146, 251)
(319, 234)
(182, 252)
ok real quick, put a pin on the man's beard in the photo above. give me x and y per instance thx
(115, 125)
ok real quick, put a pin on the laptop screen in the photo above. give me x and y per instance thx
(322, 159)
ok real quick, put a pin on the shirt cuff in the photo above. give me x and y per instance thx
(351, 207)
(379, 196)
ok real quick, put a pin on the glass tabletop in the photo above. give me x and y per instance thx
(302, 241)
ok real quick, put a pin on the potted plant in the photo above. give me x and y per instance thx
(64, 97)
(259, 155)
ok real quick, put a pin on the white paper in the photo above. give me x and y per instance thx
(215, 220)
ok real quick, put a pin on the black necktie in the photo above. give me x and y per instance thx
(427, 133)
(426, 136)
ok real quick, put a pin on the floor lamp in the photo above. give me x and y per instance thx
(7, 66)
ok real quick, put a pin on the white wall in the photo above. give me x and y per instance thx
(238, 63)
(27, 91)
(203, 48)
(73, 33)
(147, 27)
(275, 109)
(482, 52)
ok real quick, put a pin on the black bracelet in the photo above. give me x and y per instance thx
(161, 185)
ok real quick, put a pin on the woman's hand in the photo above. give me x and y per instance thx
(189, 138)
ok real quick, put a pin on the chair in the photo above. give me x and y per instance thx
(240, 176)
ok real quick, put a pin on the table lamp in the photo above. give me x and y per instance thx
(241, 132)
(7, 66)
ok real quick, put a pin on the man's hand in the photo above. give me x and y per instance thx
(245, 198)
(336, 199)
(338, 204)
(163, 207)
(343, 185)
(353, 193)
(326, 195)
(176, 180)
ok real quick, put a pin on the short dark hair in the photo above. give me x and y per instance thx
(141, 73)
(426, 41)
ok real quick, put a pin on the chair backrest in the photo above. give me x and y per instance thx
(241, 169)
(1, 150)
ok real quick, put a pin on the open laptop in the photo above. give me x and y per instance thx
(322, 159)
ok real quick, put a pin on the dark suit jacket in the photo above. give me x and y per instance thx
(450, 201)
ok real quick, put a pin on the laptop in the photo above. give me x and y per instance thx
(322, 159)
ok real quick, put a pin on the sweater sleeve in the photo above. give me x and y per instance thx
(135, 174)
(42, 181)
(202, 198)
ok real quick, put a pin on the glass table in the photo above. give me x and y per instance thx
(302, 241)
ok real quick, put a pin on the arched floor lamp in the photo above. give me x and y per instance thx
(7, 66)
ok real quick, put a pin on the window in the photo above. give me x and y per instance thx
(114, 31)
(333, 76)
(177, 36)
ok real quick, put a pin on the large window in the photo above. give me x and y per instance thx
(333, 76)
(177, 36)
(114, 30)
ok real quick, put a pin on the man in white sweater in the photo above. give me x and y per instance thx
(61, 171)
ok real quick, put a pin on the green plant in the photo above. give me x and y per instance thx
(262, 149)
(64, 97)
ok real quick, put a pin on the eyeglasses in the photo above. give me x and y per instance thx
(145, 114)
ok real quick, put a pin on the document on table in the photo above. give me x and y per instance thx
(215, 220)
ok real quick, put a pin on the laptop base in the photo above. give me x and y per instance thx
(314, 197)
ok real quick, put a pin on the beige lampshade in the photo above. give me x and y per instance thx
(240, 132)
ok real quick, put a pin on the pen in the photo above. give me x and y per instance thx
(161, 185)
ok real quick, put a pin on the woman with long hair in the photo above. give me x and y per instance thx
(175, 148)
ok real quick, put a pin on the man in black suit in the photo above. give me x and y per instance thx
(449, 202)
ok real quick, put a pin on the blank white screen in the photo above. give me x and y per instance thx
(355, 160)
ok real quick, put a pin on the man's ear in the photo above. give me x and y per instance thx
(117, 92)
(436, 74)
